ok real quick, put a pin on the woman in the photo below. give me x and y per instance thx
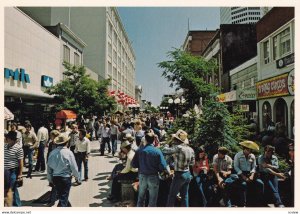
(200, 169)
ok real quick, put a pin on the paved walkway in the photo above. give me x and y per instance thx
(92, 193)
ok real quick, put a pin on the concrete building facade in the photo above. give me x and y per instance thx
(108, 53)
(240, 15)
(276, 49)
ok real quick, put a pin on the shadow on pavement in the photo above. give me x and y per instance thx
(104, 173)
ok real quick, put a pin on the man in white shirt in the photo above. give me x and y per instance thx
(43, 138)
(82, 151)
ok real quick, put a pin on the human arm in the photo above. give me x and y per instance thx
(35, 141)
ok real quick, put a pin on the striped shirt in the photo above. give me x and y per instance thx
(12, 155)
(184, 156)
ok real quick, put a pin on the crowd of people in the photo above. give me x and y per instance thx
(166, 170)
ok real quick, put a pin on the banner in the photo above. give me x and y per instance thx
(273, 87)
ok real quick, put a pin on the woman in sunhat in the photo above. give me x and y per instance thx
(245, 168)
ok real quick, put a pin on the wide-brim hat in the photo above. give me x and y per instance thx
(250, 145)
(61, 139)
(181, 136)
(125, 144)
(128, 137)
(55, 133)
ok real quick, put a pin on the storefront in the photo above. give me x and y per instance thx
(276, 100)
(31, 64)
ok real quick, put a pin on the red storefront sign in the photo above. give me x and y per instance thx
(273, 87)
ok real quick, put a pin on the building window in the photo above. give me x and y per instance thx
(66, 54)
(252, 81)
(109, 69)
(76, 59)
(115, 56)
(266, 52)
(109, 49)
(109, 29)
(282, 44)
(243, 84)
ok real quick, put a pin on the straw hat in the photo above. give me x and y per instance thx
(55, 133)
(125, 144)
(128, 137)
(250, 145)
(61, 139)
(181, 136)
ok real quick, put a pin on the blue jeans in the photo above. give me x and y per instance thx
(80, 158)
(271, 181)
(13, 184)
(40, 163)
(257, 185)
(200, 180)
(180, 183)
(113, 139)
(28, 152)
(63, 186)
(150, 183)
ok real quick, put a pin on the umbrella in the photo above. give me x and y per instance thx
(250, 144)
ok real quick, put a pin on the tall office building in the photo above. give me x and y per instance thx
(108, 52)
(241, 15)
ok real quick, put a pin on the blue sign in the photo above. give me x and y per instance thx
(16, 74)
(47, 81)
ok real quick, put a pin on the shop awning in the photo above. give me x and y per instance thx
(8, 115)
(66, 114)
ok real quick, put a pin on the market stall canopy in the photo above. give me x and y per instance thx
(66, 114)
(8, 115)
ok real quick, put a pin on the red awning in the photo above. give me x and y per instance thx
(66, 114)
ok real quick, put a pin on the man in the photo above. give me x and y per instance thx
(13, 162)
(14, 127)
(245, 167)
(74, 137)
(30, 143)
(128, 173)
(61, 166)
(222, 164)
(268, 167)
(105, 135)
(43, 137)
(114, 130)
(82, 151)
(183, 158)
(150, 161)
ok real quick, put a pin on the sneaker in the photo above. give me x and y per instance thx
(281, 206)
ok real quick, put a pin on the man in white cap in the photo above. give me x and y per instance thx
(183, 158)
(61, 167)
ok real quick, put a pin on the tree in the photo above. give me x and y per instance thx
(189, 73)
(80, 93)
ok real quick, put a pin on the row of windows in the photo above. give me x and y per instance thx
(254, 13)
(239, 21)
(67, 56)
(238, 11)
(254, 18)
(253, 8)
(240, 15)
(280, 43)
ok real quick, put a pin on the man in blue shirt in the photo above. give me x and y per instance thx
(150, 162)
(61, 167)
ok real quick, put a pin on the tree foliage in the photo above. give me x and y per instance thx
(78, 92)
(189, 73)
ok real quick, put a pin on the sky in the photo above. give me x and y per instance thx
(153, 31)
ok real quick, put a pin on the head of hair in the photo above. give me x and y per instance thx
(11, 135)
(223, 150)
(83, 132)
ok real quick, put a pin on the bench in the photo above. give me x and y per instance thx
(127, 191)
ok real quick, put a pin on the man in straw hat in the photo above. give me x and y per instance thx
(183, 158)
(61, 166)
(127, 173)
(150, 161)
(245, 167)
